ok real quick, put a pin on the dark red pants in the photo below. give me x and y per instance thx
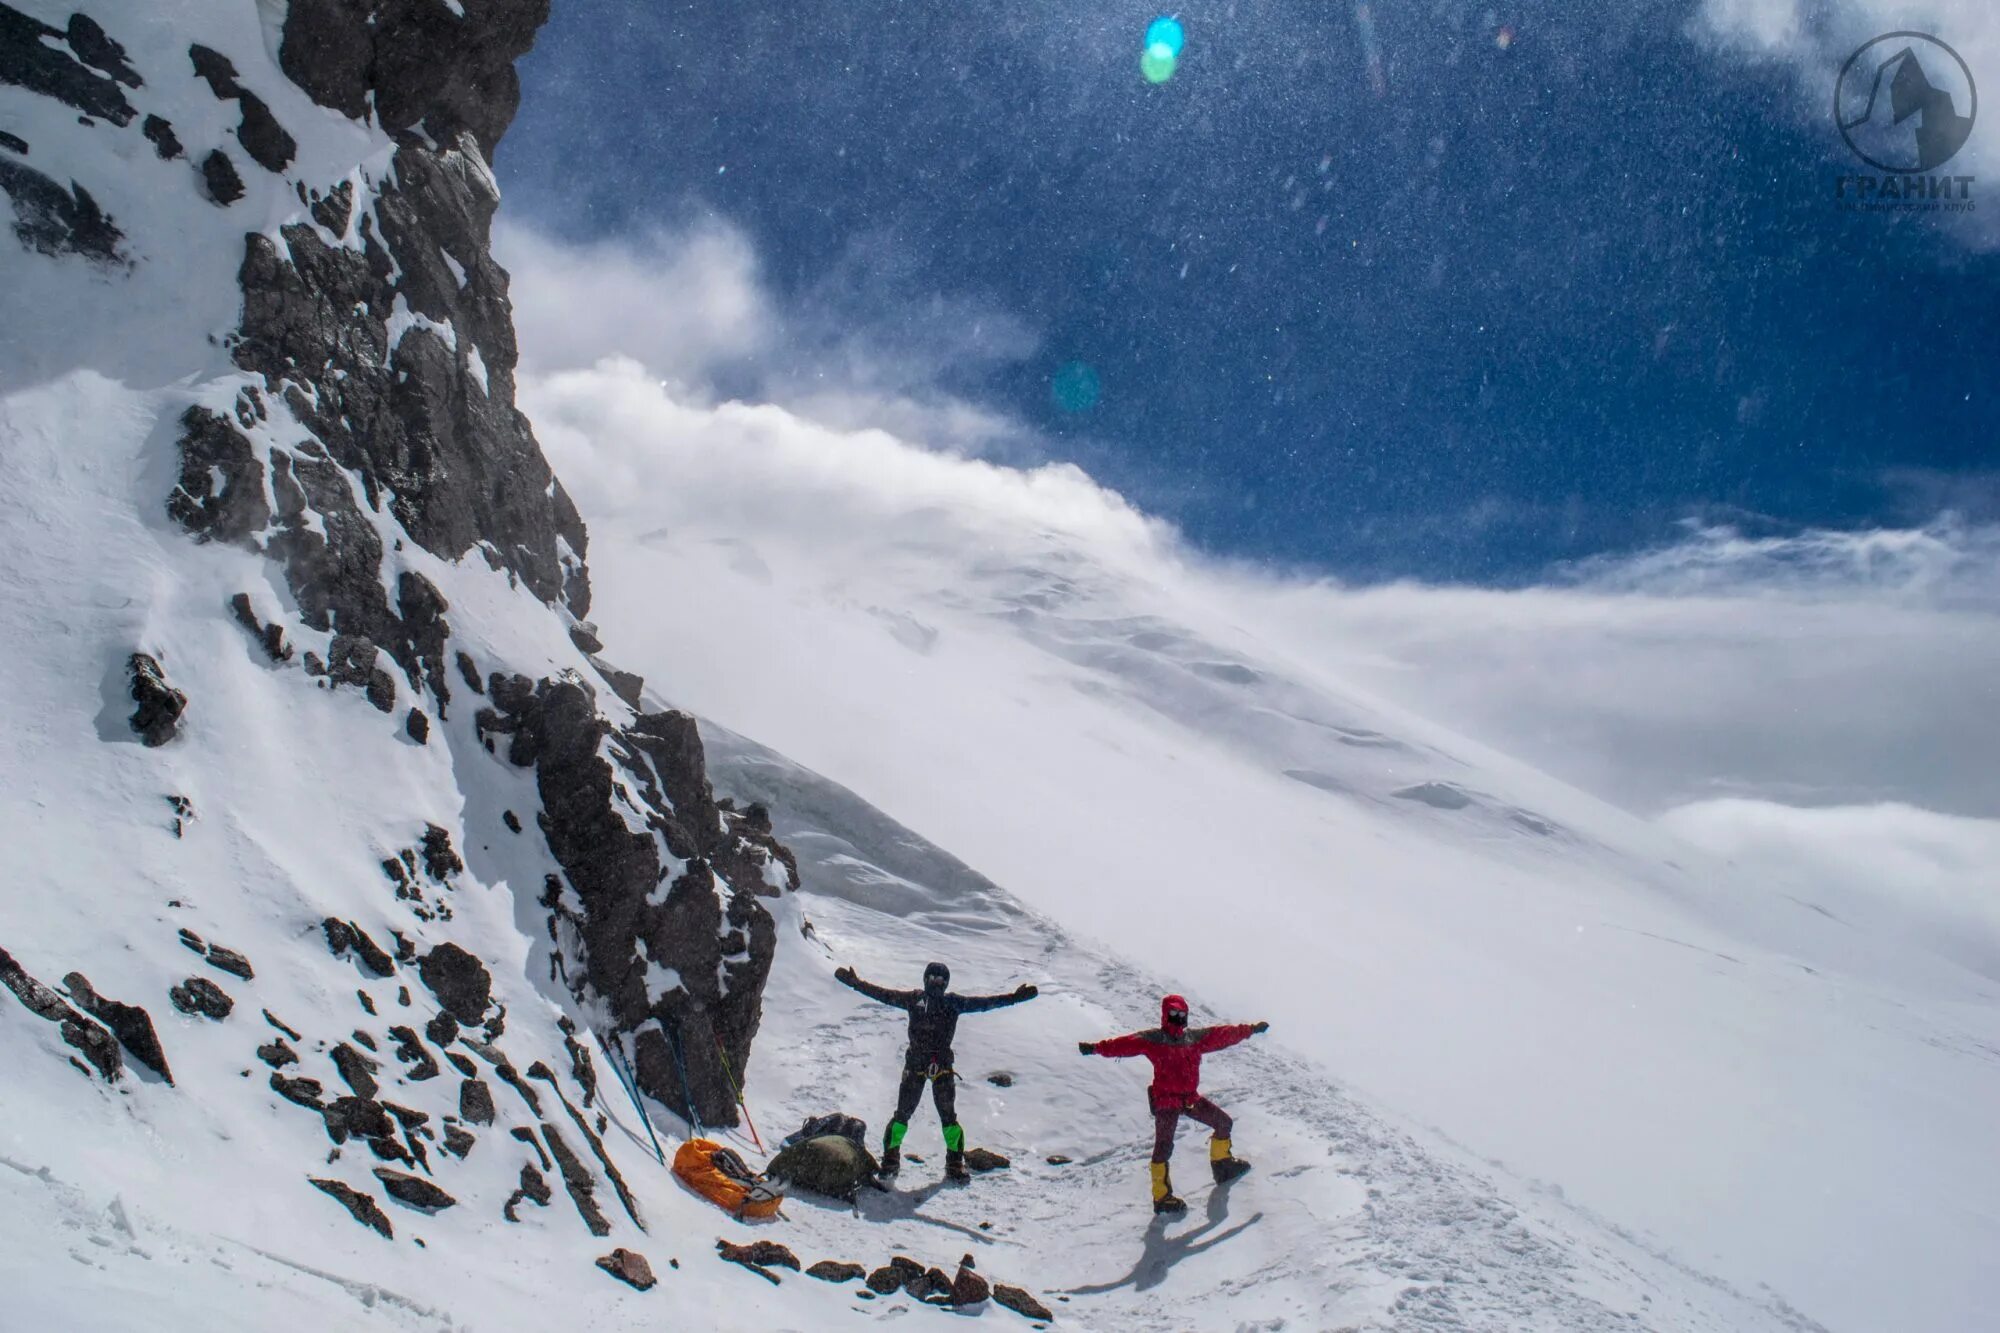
(1166, 1119)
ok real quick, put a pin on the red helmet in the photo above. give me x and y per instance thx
(1173, 1013)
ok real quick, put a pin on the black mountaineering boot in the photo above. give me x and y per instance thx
(954, 1167)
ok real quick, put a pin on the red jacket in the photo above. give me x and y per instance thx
(1176, 1055)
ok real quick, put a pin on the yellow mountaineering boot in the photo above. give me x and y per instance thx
(1223, 1163)
(1163, 1192)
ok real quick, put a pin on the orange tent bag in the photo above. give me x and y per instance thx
(739, 1195)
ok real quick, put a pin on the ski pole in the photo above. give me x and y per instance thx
(630, 1082)
(739, 1093)
(674, 1044)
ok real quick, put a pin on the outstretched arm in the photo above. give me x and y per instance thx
(1117, 1048)
(902, 999)
(1226, 1035)
(973, 1004)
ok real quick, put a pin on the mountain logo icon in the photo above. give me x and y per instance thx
(1905, 102)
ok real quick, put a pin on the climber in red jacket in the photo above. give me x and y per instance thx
(1176, 1050)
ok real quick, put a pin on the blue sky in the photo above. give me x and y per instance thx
(1561, 278)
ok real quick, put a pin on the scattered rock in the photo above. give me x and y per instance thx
(1057, 1159)
(304, 1092)
(97, 1044)
(458, 1140)
(132, 1025)
(533, 1187)
(442, 1030)
(157, 718)
(199, 995)
(475, 1102)
(413, 1190)
(161, 133)
(362, 1207)
(278, 1054)
(440, 861)
(511, 820)
(760, 1257)
(527, 1136)
(356, 1070)
(412, 1051)
(469, 669)
(1000, 1078)
(967, 1286)
(461, 1064)
(628, 1267)
(273, 1021)
(269, 636)
(220, 178)
(984, 1159)
(190, 940)
(460, 981)
(835, 1270)
(895, 1275)
(417, 726)
(1020, 1302)
(344, 936)
(364, 1040)
(584, 635)
(577, 1180)
(366, 1001)
(358, 1117)
(230, 961)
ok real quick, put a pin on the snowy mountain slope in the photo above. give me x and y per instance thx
(1023, 670)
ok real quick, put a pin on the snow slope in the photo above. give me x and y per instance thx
(1024, 671)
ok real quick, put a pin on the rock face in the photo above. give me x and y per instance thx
(98, 1046)
(132, 1025)
(157, 718)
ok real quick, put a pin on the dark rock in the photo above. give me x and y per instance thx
(56, 219)
(628, 1267)
(31, 58)
(157, 718)
(440, 861)
(95, 48)
(1057, 1159)
(584, 635)
(269, 637)
(364, 1040)
(304, 1092)
(366, 1001)
(475, 1102)
(442, 1029)
(469, 669)
(199, 995)
(407, 1117)
(190, 940)
(461, 1064)
(458, 1140)
(533, 1187)
(511, 820)
(212, 447)
(417, 726)
(278, 1054)
(577, 1180)
(343, 936)
(96, 1044)
(541, 1071)
(894, 1276)
(220, 179)
(527, 1136)
(362, 1207)
(460, 982)
(356, 1070)
(627, 685)
(413, 1190)
(581, 1067)
(1000, 1078)
(269, 146)
(411, 1050)
(834, 1270)
(132, 1025)
(1020, 1302)
(161, 133)
(759, 1255)
(359, 1118)
(230, 961)
(351, 660)
(13, 143)
(272, 1019)
(983, 1159)
(967, 1286)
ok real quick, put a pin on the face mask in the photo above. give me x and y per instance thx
(1176, 1018)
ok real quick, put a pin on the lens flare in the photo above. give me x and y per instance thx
(1075, 387)
(1157, 64)
(1166, 31)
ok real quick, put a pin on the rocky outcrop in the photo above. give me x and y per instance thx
(199, 995)
(360, 1206)
(628, 1267)
(157, 718)
(97, 1045)
(460, 982)
(132, 1025)
(413, 1190)
(1021, 1302)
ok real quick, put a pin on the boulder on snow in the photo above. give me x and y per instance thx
(356, 1070)
(132, 1025)
(304, 1092)
(230, 961)
(157, 719)
(533, 1188)
(475, 1102)
(361, 1207)
(837, 1270)
(278, 1053)
(413, 1190)
(900, 1272)
(985, 1159)
(760, 1257)
(458, 1140)
(411, 1050)
(967, 1286)
(344, 936)
(629, 1267)
(98, 1046)
(1020, 1302)
(460, 982)
(199, 995)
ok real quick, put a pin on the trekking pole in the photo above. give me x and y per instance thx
(739, 1093)
(630, 1083)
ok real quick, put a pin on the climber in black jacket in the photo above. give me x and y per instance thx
(934, 1012)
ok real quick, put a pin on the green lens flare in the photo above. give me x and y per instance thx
(1166, 31)
(1157, 64)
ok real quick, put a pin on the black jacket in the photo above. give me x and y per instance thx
(934, 1016)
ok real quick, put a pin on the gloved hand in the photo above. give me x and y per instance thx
(1260, 1027)
(843, 974)
(1025, 991)
(1086, 1048)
